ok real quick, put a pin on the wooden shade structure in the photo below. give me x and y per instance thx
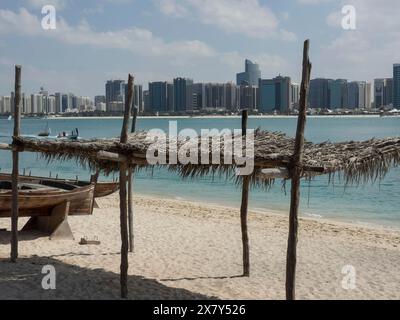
(275, 156)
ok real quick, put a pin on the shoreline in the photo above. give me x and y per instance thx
(211, 117)
(278, 213)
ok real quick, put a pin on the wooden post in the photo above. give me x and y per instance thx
(130, 209)
(130, 190)
(296, 173)
(15, 207)
(244, 208)
(122, 196)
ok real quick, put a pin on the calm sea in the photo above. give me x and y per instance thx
(377, 204)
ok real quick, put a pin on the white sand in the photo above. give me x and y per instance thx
(186, 250)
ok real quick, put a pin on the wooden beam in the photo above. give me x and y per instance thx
(122, 196)
(244, 208)
(15, 205)
(296, 172)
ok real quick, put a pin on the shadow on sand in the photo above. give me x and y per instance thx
(5, 236)
(22, 280)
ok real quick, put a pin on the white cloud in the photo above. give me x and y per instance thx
(375, 44)
(58, 4)
(172, 8)
(247, 17)
(313, 1)
(137, 40)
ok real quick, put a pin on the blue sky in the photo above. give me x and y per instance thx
(206, 40)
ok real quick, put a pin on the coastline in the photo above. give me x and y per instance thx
(216, 117)
(279, 212)
(191, 250)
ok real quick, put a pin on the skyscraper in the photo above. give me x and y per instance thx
(230, 96)
(158, 96)
(58, 97)
(199, 96)
(183, 94)
(138, 97)
(275, 94)
(396, 86)
(115, 92)
(170, 97)
(338, 94)
(250, 76)
(359, 95)
(294, 96)
(320, 93)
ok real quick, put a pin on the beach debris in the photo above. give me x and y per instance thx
(88, 241)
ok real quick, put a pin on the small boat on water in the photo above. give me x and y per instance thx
(65, 136)
(101, 189)
(9, 118)
(40, 199)
(46, 132)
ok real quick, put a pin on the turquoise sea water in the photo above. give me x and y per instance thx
(378, 203)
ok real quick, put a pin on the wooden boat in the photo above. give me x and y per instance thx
(40, 199)
(102, 189)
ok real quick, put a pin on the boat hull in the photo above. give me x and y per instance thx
(102, 189)
(41, 202)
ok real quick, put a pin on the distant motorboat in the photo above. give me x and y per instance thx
(9, 118)
(65, 136)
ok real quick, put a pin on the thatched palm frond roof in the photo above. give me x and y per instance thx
(358, 161)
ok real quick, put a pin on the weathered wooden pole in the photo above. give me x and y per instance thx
(123, 166)
(130, 190)
(296, 173)
(244, 208)
(15, 206)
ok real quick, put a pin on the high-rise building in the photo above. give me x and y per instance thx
(37, 103)
(359, 95)
(170, 97)
(138, 97)
(396, 86)
(275, 94)
(51, 104)
(5, 106)
(320, 93)
(99, 99)
(65, 103)
(248, 97)
(146, 101)
(338, 94)
(250, 76)
(389, 91)
(199, 96)
(368, 91)
(294, 96)
(230, 96)
(183, 94)
(115, 92)
(58, 98)
(158, 96)
(27, 107)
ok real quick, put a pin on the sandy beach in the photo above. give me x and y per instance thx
(187, 250)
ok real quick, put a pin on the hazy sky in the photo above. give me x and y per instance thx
(206, 40)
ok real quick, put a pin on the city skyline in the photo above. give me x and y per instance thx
(165, 38)
(183, 95)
